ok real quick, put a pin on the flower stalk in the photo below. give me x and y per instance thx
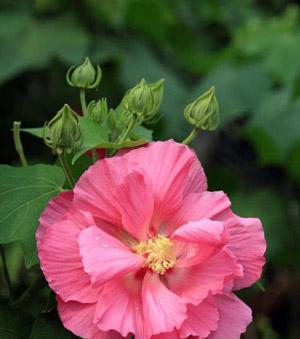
(65, 166)
(18, 142)
(191, 136)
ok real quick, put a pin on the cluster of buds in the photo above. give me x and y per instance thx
(84, 76)
(62, 133)
(142, 102)
(203, 113)
(98, 110)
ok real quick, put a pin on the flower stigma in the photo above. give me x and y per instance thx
(159, 253)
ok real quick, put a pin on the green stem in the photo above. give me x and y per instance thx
(191, 136)
(83, 101)
(124, 135)
(6, 273)
(64, 164)
(18, 142)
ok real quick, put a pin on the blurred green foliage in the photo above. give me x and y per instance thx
(248, 50)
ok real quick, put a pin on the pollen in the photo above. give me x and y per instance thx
(159, 253)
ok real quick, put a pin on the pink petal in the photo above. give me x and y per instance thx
(201, 320)
(173, 169)
(95, 192)
(136, 200)
(194, 283)
(170, 335)
(247, 243)
(78, 318)
(163, 310)
(120, 307)
(235, 316)
(61, 262)
(205, 230)
(199, 240)
(54, 212)
(196, 206)
(105, 257)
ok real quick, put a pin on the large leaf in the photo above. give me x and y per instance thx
(14, 324)
(24, 193)
(32, 43)
(279, 117)
(95, 135)
(48, 326)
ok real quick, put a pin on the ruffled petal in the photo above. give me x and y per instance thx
(173, 169)
(247, 242)
(235, 316)
(78, 318)
(61, 262)
(202, 319)
(105, 257)
(198, 240)
(196, 206)
(136, 200)
(54, 212)
(194, 283)
(95, 192)
(120, 307)
(163, 310)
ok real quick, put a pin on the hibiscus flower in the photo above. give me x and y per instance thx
(140, 247)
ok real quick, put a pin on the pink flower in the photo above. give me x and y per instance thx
(141, 247)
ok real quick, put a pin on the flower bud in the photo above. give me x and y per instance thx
(98, 110)
(63, 131)
(158, 92)
(204, 111)
(84, 75)
(139, 100)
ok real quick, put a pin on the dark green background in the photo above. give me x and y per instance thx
(250, 51)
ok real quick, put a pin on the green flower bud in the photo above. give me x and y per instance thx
(98, 110)
(139, 100)
(158, 92)
(204, 111)
(62, 132)
(84, 75)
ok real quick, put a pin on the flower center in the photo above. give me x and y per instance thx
(158, 252)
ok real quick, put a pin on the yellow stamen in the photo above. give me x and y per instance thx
(158, 252)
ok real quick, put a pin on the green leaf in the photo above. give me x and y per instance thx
(141, 132)
(279, 117)
(24, 193)
(33, 43)
(95, 135)
(48, 326)
(14, 324)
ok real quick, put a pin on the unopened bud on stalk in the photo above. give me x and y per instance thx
(140, 99)
(203, 113)
(62, 132)
(98, 110)
(84, 76)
